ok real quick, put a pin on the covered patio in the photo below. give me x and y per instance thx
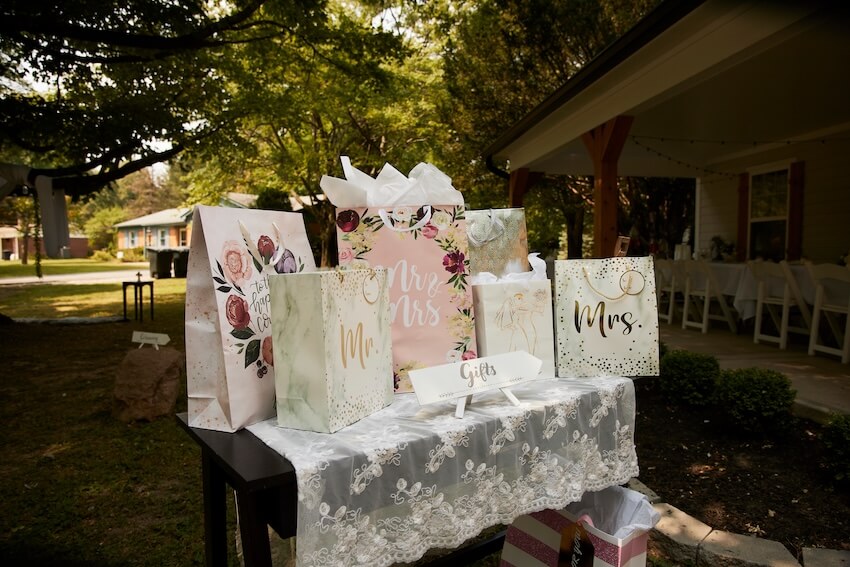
(750, 98)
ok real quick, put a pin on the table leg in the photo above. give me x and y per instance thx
(254, 531)
(215, 513)
(151, 301)
(125, 301)
(140, 307)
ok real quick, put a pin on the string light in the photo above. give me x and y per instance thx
(684, 164)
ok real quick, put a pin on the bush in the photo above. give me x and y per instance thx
(836, 439)
(134, 255)
(755, 400)
(102, 256)
(689, 376)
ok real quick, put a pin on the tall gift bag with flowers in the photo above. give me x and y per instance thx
(415, 227)
(229, 354)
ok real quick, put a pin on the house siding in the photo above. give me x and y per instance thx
(172, 237)
(826, 197)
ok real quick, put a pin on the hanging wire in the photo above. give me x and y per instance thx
(684, 164)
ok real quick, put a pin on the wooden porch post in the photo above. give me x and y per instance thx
(605, 143)
(520, 182)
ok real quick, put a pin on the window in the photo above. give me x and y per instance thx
(131, 239)
(769, 215)
(163, 237)
(181, 237)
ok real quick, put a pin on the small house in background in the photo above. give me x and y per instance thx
(168, 228)
(165, 235)
(12, 244)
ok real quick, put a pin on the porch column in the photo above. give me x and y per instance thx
(520, 182)
(605, 143)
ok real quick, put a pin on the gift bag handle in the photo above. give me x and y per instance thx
(626, 280)
(495, 222)
(369, 294)
(426, 218)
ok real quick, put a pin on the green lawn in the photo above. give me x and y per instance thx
(80, 487)
(55, 301)
(14, 268)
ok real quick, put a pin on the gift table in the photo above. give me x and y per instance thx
(410, 478)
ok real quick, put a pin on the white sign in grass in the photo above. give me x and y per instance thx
(155, 339)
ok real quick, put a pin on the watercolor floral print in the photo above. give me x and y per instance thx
(236, 268)
(357, 231)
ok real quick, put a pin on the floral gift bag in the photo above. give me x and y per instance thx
(415, 227)
(229, 355)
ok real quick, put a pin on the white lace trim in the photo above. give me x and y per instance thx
(405, 480)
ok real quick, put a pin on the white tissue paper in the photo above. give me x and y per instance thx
(424, 185)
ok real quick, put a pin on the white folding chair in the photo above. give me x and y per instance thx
(832, 299)
(777, 293)
(669, 285)
(701, 290)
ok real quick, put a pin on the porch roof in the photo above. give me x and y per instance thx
(706, 82)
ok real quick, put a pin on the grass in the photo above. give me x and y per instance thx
(14, 268)
(79, 487)
(49, 301)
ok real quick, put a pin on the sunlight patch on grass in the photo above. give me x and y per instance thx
(43, 301)
(49, 267)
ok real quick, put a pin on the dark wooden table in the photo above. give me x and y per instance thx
(138, 300)
(267, 495)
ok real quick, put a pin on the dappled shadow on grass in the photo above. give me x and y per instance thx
(79, 487)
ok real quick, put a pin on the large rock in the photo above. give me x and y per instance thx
(147, 384)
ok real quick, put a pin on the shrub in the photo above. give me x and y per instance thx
(689, 376)
(134, 255)
(755, 400)
(102, 256)
(836, 439)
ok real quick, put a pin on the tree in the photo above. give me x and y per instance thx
(125, 85)
(502, 58)
(100, 227)
(374, 114)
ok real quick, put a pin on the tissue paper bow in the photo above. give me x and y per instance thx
(425, 185)
(537, 273)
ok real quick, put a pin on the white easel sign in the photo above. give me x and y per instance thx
(155, 339)
(460, 380)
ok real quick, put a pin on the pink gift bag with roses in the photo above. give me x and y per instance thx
(414, 226)
(229, 355)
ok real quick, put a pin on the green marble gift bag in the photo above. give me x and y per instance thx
(332, 347)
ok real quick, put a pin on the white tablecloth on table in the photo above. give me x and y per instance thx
(410, 478)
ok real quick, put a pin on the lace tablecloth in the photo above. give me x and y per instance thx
(410, 478)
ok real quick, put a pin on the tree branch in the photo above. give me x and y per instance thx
(16, 25)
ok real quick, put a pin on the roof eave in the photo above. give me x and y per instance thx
(648, 28)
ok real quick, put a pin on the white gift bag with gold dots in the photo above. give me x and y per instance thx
(606, 317)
